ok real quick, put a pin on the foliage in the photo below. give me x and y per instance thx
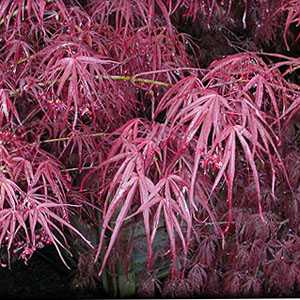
(159, 175)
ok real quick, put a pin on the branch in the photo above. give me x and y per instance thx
(132, 79)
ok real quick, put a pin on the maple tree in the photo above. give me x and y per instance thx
(123, 146)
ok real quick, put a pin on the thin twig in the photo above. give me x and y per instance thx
(78, 169)
(69, 137)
